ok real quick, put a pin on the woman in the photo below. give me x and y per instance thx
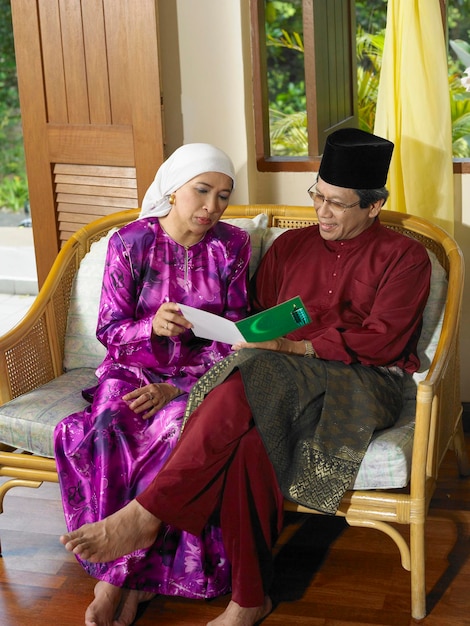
(177, 252)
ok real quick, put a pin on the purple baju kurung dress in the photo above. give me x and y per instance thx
(107, 454)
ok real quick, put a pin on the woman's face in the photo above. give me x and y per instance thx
(199, 204)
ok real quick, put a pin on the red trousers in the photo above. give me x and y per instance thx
(220, 465)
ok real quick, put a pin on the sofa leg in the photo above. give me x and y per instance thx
(418, 573)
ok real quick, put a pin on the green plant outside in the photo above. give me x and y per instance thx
(288, 120)
(13, 181)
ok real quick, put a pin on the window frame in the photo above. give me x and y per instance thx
(330, 79)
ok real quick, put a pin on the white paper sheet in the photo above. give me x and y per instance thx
(210, 326)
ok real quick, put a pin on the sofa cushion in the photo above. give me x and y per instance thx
(256, 228)
(28, 422)
(81, 347)
(387, 462)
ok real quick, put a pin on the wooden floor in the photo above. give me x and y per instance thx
(327, 573)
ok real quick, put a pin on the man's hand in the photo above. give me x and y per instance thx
(272, 344)
(281, 344)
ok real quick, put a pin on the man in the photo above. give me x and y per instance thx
(276, 424)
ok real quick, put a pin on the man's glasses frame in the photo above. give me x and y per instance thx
(319, 199)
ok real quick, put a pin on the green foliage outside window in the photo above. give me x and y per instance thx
(286, 87)
(13, 182)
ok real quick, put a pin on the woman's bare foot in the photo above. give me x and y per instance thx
(114, 606)
(129, 529)
(236, 615)
(102, 610)
(130, 603)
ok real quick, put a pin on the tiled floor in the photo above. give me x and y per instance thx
(12, 309)
(18, 273)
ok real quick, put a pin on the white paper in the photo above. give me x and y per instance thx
(210, 326)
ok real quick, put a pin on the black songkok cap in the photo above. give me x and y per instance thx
(355, 159)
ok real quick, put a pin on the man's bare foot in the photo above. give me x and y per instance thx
(130, 603)
(129, 529)
(102, 610)
(236, 615)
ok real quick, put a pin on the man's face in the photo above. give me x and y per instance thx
(337, 222)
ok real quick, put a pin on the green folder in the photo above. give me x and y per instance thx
(274, 322)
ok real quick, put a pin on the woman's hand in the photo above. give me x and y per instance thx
(169, 321)
(147, 400)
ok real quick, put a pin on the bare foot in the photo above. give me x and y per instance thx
(102, 610)
(129, 529)
(236, 615)
(130, 603)
(114, 606)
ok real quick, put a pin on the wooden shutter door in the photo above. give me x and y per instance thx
(89, 85)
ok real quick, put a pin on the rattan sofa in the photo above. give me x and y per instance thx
(33, 356)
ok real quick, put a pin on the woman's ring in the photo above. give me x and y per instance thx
(166, 325)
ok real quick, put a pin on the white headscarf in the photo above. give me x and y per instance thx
(184, 164)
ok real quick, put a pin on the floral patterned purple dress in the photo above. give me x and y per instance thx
(107, 454)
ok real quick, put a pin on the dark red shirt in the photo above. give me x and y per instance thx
(365, 295)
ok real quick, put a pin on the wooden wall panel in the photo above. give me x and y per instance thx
(96, 59)
(82, 192)
(73, 50)
(92, 144)
(143, 63)
(54, 73)
(118, 60)
(89, 84)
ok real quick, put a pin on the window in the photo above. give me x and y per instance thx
(317, 68)
(291, 138)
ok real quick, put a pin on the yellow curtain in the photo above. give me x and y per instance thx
(413, 111)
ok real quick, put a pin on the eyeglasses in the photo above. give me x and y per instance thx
(319, 199)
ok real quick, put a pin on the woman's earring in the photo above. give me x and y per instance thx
(172, 199)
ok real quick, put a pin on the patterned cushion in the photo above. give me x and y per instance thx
(82, 348)
(270, 235)
(387, 462)
(256, 227)
(28, 422)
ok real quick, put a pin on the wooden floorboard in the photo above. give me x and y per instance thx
(327, 574)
